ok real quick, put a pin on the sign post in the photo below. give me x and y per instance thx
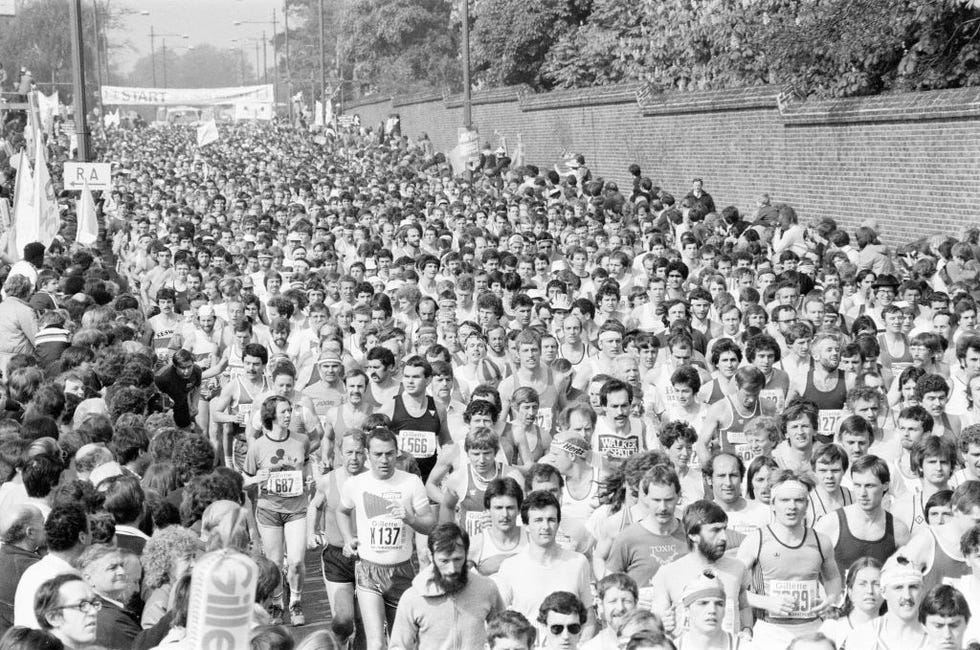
(98, 176)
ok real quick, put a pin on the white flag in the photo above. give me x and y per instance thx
(207, 133)
(328, 112)
(45, 203)
(88, 222)
(24, 225)
(318, 113)
(47, 107)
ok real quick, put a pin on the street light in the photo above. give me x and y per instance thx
(275, 55)
(153, 56)
(241, 43)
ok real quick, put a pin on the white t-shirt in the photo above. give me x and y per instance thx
(525, 583)
(383, 539)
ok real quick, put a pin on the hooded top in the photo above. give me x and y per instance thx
(428, 619)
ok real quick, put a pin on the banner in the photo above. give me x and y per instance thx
(24, 223)
(87, 221)
(45, 202)
(180, 96)
(253, 111)
(207, 133)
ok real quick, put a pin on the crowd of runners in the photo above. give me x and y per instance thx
(510, 408)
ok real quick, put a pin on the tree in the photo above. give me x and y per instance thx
(204, 66)
(512, 38)
(402, 45)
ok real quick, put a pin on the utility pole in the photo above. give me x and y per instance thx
(98, 54)
(467, 98)
(78, 79)
(153, 57)
(289, 80)
(275, 63)
(323, 75)
(164, 50)
(265, 58)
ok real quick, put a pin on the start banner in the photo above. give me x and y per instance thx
(182, 96)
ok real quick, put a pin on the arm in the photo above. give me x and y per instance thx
(447, 509)
(828, 526)
(313, 510)
(444, 465)
(346, 529)
(221, 403)
(405, 631)
(830, 574)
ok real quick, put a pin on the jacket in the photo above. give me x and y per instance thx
(428, 619)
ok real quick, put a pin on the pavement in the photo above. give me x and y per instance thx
(315, 605)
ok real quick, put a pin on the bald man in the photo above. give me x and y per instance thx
(22, 534)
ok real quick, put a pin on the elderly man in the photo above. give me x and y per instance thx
(67, 533)
(22, 534)
(899, 627)
(104, 569)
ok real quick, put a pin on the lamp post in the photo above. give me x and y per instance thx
(78, 79)
(153, 60)
(467, 98)
(241, 44)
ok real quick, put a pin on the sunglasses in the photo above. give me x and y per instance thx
(573, 628)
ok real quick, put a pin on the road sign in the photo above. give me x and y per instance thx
(97, 175)
(8, 8)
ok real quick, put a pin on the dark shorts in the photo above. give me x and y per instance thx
(389, 581)
(336, 566)
(264, 517)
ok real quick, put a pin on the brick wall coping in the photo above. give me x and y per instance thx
(655, 102)
(594, 96)
(922, 105)
(366, 101)
(500, 95)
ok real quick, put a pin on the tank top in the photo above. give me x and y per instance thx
(732, 643)
(471, 514)
(943, 566)
(581, 509)
(612, 448)
(818, 508)
(419, 436)
(732, 438)
(835, 398)
(849, 548)
(790, 570)
(491, 556)
(547, 402)
(893, 363)
(773, 394)
(716, 392)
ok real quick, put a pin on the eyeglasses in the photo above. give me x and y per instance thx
(85, 606)
(573, 628)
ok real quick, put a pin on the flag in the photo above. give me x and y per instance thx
(24, 225)
(88, 223)
(47, 107)
(207, 133)
(328, 112)
(45, 203)
(318, 113)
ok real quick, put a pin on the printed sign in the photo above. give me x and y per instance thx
(98, 176)
(222, 601)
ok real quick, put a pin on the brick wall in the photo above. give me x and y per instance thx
(911, 160)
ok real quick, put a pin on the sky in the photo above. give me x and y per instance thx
(203, 21)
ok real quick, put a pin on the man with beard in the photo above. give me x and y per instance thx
(823, 384)
(706, 524)
(899, 627)
(618, 594)
(337, 566)
(864, 529)
(446, 606)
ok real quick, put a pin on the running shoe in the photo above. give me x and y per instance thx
(275, 612)
(296, 617)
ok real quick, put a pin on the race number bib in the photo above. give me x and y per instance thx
(322, 408)
(285, 484)
(420, 444)
(244, 410)
(744, 451)
(898, 367)
(803, 593)
(386, 535)
(476, 522)
(772, 400)
(545, 418)
(828, 421)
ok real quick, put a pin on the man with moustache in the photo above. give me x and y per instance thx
(899, 627)
(705, 523)
(617, 594)
(447, 605)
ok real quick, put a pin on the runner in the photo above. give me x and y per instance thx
(233, 407)
(379, 513)
(794, 563)
(276, 462)
(336, 565)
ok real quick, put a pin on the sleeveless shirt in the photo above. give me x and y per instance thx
(419, 436)
(790, 570)
(732, 438)
(849, 548)
(943, 566)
